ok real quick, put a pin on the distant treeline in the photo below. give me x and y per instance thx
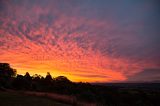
(102, 95)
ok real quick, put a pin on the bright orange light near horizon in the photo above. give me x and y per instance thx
(84, 41)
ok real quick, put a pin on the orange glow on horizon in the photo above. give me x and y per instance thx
(65, 39)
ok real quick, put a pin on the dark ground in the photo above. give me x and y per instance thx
(16, 99)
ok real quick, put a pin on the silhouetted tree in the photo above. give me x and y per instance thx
(62, 79)
(6, 74)
(48, 77)
(28, 80)
(62, 85)
(37, 82)
(27, 76)
(19, 82)
(47, 82)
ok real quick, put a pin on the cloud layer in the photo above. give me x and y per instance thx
(96, 41)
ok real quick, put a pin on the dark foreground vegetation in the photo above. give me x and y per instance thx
(101, 95)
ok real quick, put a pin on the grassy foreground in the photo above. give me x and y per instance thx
(16, 99)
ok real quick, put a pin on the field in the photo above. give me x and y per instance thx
(17, 99)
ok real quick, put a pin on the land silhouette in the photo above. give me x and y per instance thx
(63, 90)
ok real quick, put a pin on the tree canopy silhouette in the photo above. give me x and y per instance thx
(6, 74)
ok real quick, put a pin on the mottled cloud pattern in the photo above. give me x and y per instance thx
(90, 40)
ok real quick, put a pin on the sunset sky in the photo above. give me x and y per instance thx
(84, 40)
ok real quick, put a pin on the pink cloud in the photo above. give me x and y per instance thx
(47, 39)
